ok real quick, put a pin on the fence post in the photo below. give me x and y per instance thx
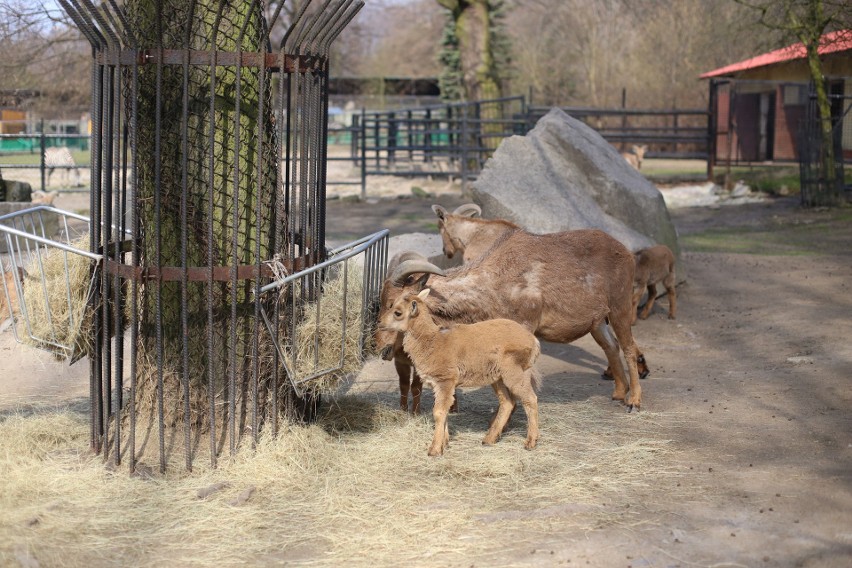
(42, 146)
(427, 138)
(363, 135)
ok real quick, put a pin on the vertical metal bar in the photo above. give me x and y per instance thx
(363, 134)
(158, 252)
(41, 159)
(106, 215)
(184, 217)
(134, 301)
(211, 255)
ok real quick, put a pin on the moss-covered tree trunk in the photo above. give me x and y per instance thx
(198, 207)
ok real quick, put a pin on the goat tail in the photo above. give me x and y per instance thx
(535, 374)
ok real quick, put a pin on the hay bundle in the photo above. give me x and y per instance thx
(319, 339)
(56, 289)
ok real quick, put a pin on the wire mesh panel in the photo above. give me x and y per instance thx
(208, 150)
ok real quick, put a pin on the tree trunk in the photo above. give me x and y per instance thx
(198, 207)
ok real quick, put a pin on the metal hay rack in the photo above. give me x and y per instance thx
(208, 162)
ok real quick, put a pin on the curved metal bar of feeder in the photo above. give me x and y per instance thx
(115, 26)
(122, 16)
(327, 19)
(96, 40)
(340, 26)
(98, 17)
(308, 28)
(51, 243)
(293, 25)
(354, 248)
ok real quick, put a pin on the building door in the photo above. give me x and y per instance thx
(766, 127)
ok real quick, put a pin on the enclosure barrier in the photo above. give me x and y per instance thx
(208, 156)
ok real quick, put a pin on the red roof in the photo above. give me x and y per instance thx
(829, 43)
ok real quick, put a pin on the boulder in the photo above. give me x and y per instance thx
(563, 175)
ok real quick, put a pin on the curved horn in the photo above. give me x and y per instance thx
(440, 211)
(468, 210)
(401, 257)
(410, 267)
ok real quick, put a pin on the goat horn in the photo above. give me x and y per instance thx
(401, 257)
(468, 210)
(410, 267)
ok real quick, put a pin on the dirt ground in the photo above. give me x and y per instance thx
(755, 372)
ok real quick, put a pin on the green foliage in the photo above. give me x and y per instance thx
(450, 80)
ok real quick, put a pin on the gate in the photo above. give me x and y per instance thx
(206, 267)
(820, 183)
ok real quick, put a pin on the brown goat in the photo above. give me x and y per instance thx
(410, 382)
(560, 286)
(463, 233)
(653, 265)
(497, 352)
(636, 157)
(460, 232)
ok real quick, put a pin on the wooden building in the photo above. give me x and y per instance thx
(758, 105)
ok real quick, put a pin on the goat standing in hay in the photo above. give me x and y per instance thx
(636, 157)
(462, 232)
(653, 265)
(498, 352)
(560, 286)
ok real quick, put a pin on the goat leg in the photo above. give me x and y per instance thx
(504, 411)
(443, 401)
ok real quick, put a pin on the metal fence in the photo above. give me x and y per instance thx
(822, 172)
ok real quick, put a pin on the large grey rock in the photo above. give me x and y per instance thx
(562, 176)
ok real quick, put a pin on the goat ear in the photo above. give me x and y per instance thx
(414, 308)
(421, 282)
(424, 293)
(439, 211)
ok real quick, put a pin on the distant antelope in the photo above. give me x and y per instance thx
(635, 157)
(60, 157)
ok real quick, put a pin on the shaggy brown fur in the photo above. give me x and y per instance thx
(498, 352)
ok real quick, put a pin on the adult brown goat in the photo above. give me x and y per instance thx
(462, 232)
(561, 286)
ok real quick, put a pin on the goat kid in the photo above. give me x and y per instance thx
(653, 265)
(636, 157)
(41, 198)
(560, 286)
(498, 352)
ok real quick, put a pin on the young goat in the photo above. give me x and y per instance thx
(654, 264)
(497, 352)
(636, 157)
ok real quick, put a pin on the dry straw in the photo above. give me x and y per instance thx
(55, 293)
(320, 335)
(356, 488)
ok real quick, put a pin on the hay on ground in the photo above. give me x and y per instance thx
(356, 488)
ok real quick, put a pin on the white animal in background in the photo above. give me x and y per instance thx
(636, 157)
(60, 157)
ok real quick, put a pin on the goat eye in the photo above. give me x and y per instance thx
(397, 314)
